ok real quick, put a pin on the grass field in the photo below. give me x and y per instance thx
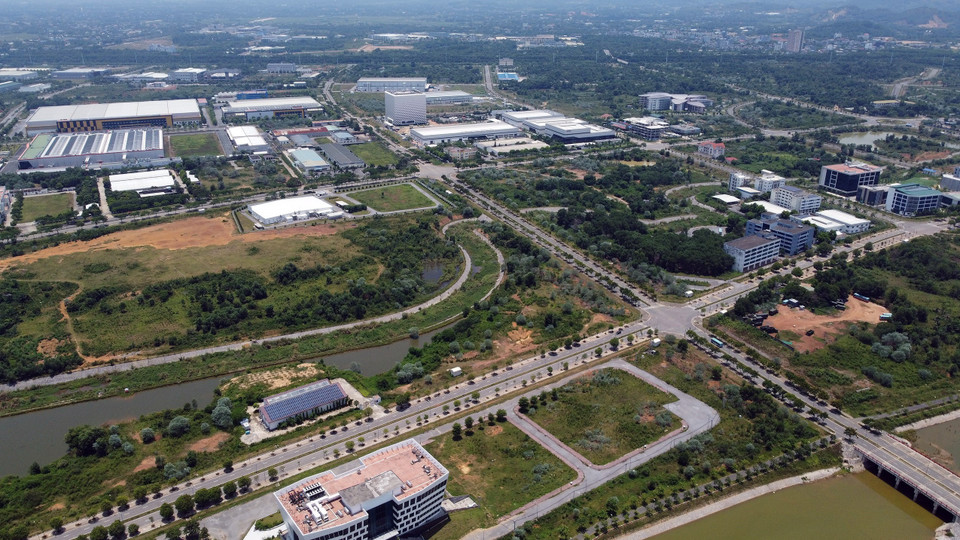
(46, 205)
(200, 144)
(500, 467)
(605, 415)
(374, 154)
(392, 198)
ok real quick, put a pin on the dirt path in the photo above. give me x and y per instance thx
(65, 316)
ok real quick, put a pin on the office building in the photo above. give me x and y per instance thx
(92, 149)
(448, 97)
(302, 402)
(104, 116)
(405, 108)
(647, 127)
(392, 493)
(950, 182)
(873, 195)
(491, 129)
(460, 153)
(768, 181)
(738, 179)
(712, 150)
(912, 200)
(794, 237)
(251, 109)
(795, 41)
(795, 199)
(752, 252)
(662, 101)
(281, 68)
(844, 179)
(391, 84)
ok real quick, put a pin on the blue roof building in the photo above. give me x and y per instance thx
(308, 400)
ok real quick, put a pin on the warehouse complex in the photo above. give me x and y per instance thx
(491, 129)
(391, 84)
(145, 183)
(448, 97)
(103, 116)
(390, 493)
(250, 109)
(553, 124)
(308, 161)
(248, 139)
(293, 209)
(92, 149)
(304, 401)
(341, 156)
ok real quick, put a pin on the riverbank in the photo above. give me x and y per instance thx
(728, 502)
(927, 422)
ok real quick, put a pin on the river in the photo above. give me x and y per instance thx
(39, 435)
(849, 507)
(941, 442)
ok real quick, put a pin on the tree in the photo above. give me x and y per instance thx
(56, 524)
(501, 415)
(457, 431)
(230, 490)
(614, 343)
(173, 534)
(99, 533)
(133, 529)
(243, 483)
(222, 417)
(227, 466)
(350, 445)
(272, 473)
(116, 530)
(140, 494)
(86, 440)
(106, 506)
(468, 423)
(166, 512)
(523, 404)
(179, 426)
(191, 530)
(122, 502)
(849, 433)
(475, 397)
(184, 505)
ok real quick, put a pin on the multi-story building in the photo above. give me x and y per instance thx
(912, 200)
(795, 199)
(711, 149)
(738, 180)
(187, 74)
(844, 179)
(752, 252)
(768, 181)
(794, 237)
(950, 182)
(873, 195)
(461, 153)
(662, 101)
(405, 108)
(392, 493)
(795, 41)
(391, 84)
(647, 127)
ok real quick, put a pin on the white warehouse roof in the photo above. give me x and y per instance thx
(105, 111)
(726, 199)
(270, 104)
(842, 217)
(288, 207)
(768, 206)
(246, 136)
(491, 128)
(138, 181)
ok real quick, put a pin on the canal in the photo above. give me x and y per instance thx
(850, 507)
(40, 435)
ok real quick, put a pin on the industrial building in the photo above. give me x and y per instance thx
(104, 116)
(912, 200)
(796, 199)
(506, 146)
(341, 156)
(143, 78)
(849, 224)
(662, 101)
(768, 181)
(188, 74)
(278, 68)
(405, 108)
(308, 161)
(491, 129)
(145, 183)
(35, 88)
(248, 140)
(293, 209)
(448, 97)
(391, 493)
(752, 252)
(92, 149)
(794, 237)
(251, 109)
(18, 75)
(80, 73)
(844, 179)
(307, 400)
(343, 137)
(553, 124)
(726, 199)
(391, 84)
(768, 207)
(9, 86)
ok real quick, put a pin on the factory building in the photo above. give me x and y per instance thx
(308, 161)
(251, 109)
(17, 75)
(341, 156)
(553, 124)
(392, 493)
(491, 129)
(92, 149)
(105, 116)
(304, 401)
(190, 75)
(293, 209)
(248, 140)
(145, 183)
(279, 68)
(662, 101)
(405, 108)
(448, 97)
(80, 73)
(391, 84)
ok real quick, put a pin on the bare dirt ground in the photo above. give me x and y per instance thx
(209, 444)
(180, 234)
(275, 378)
(825, 327)
(149, 461)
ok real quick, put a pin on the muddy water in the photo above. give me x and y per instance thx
(942, 442)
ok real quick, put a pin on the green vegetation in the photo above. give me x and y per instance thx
(788, 157)
(499, 466)
(46, 205)
(34, 341)
(605, 415)
(269, 522)
(779, 115)
(199, 144)
(909, 147)
(374, 154)
(392, 198)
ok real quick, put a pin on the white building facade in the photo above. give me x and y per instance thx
(405, 108)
